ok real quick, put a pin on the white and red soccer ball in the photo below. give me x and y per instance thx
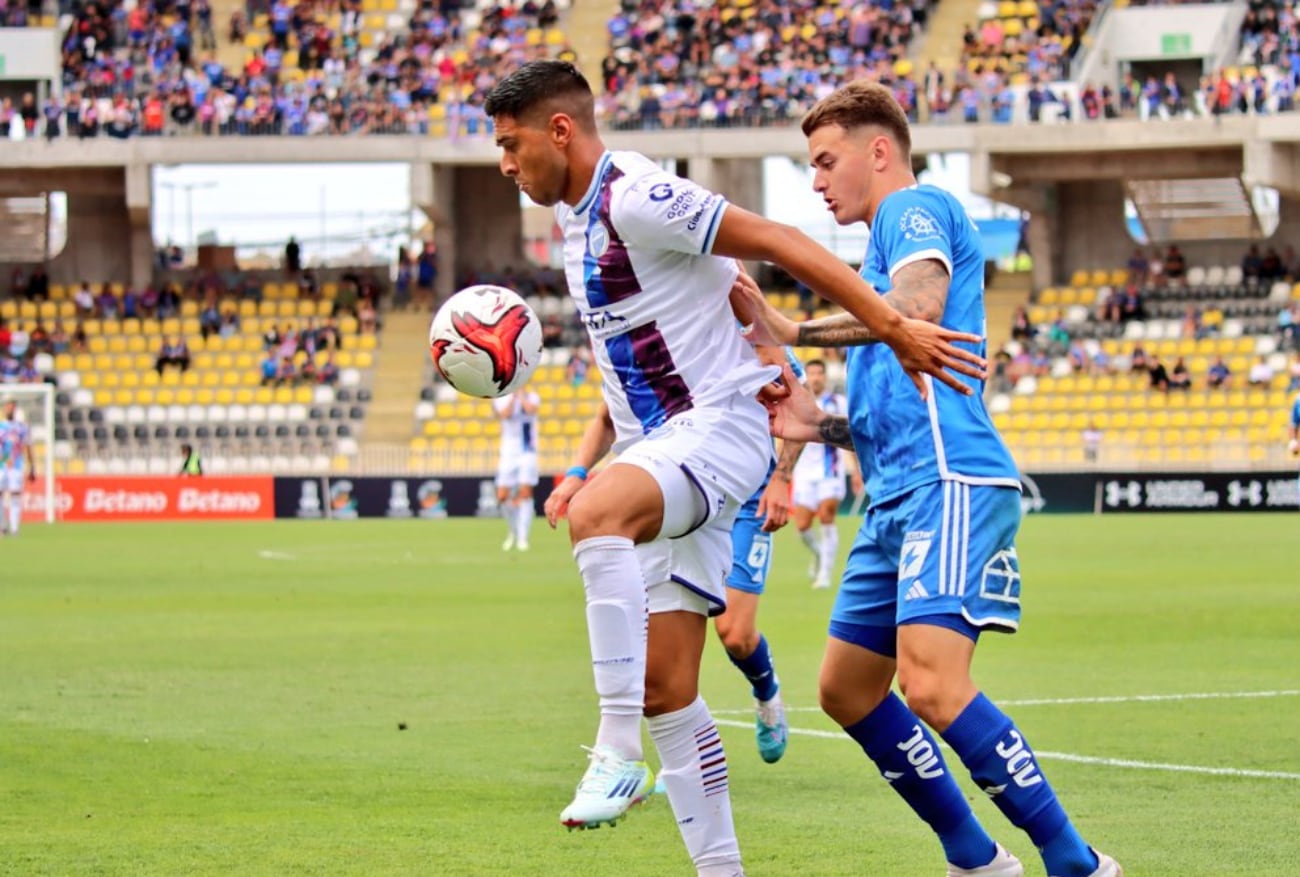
(486, 341)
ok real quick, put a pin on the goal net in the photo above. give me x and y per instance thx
(35, 405)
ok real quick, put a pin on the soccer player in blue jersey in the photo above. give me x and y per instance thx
(934, 565)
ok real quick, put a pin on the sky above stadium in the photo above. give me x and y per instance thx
(365, 209)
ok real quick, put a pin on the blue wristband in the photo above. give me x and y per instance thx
(576, 472)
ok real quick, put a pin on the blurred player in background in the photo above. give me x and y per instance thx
(934, 564)
(17, 466)
(517, 465)
(644, 260)
(1294, 445)
(819, 483)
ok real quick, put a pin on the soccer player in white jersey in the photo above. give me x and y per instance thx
(517, 464)
(934, 565)
(644, 260)
(819, 482)
(16, 466)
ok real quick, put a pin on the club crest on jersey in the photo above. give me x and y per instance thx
(918, 225)
(598, 240)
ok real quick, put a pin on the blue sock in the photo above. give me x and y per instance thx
(908, 757)
(759, 671)
(1003, 765)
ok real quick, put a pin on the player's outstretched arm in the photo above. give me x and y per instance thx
(774, 504)
(797, 417)
(921, 347)
(596, 441)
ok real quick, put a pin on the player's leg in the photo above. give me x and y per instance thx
(525, 509)
(828, 506)
(688, 480)
(738, 629)
(854, 690)
(16, 486)
(621, 508)
(969, 576)
(805, 506)
(506, 481)
(693, 764)
(5, 502)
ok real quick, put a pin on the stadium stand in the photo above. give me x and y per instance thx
(1081, 389)
(365, 66)
(743, 62)
(117, 411)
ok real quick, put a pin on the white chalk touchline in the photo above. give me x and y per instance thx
(1061, 701)
(1077, 759)
(268, 554)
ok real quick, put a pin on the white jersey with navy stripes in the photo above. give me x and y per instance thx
(637, 257)
(519, 429)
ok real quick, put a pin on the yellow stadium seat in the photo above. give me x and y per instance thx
(364, 359)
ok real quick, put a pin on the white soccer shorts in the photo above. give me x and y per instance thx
(725, 453)
(516, 470)
(810, 493)
(13, 480)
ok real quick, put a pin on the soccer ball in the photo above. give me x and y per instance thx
(486, 341)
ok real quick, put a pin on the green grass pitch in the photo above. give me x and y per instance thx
(225, 699)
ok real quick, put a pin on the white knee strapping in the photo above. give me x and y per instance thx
(616, 621)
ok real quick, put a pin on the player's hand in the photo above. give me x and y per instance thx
(925, 348)
(796, 415)
(557, 504)
(764, 324)
(774, 504)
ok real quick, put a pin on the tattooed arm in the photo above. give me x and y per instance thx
(920, 292)
(834, 430)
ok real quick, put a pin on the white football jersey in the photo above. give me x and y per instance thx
(637, 257)
(818, 461)
(519, 428)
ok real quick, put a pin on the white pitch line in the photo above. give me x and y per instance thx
(1077, 759)
(268, 554)
(1065, 701)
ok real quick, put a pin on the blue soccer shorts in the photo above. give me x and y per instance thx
(943, 554)
(751, 548)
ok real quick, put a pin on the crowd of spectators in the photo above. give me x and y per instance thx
(762, 63)
(152, 71)
(316, 67)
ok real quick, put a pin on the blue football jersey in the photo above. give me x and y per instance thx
(1295, 412)
(902, 440)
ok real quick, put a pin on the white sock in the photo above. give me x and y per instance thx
(617, 618)
(523, 519)
(829, 548)
(694, 774)
(810, 539)
(15, 511)
(509, 515)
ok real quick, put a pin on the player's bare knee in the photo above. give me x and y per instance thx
(667, 692)
(739, 641)
(934, 697)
